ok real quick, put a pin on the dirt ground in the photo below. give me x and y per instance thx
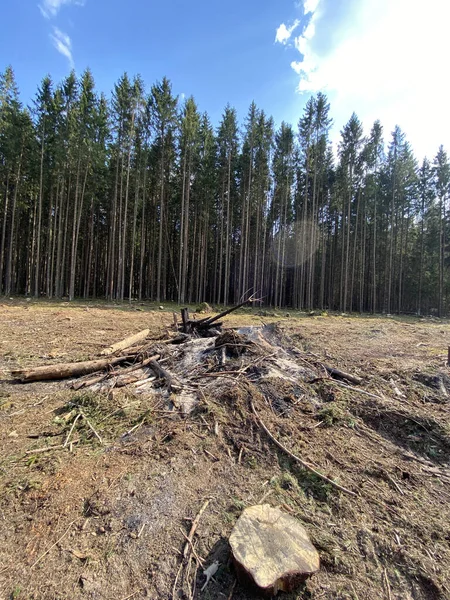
(107, 519)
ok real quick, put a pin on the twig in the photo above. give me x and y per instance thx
(341, 374)
(92, 428)
(134, 428)
(197, 557)
(299, 460)
(388, 587)
(194, 582)
(210, 454)
(266, 495)
(195, 523)
(141, 529)
(131, 595)
(138, 365)
(71, 429)
(53, 545)
(395, 484)
(359, 390)
(174, 588)
(230, 595)
(144, 381)
(354, 591)
(48, 448)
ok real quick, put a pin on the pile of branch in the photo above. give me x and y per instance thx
(132, 359)
(210, 326)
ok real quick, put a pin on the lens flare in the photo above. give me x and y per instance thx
(295, 244)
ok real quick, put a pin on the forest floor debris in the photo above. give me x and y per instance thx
(111, 517)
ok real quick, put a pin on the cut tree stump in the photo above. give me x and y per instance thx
(272, 550)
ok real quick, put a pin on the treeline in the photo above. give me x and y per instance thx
(138, 196)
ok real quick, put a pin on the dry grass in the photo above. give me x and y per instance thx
(106, 521)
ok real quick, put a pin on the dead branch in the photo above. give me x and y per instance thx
(296, 458)
(92, 428)
(67, 370)
(71, 429)
(338, 374)
(162, 373)
(195, 523)
(77, 385)
(196, 556)
(53, 545)
(359, 390)
(127, 342)
(138, 365)
(208, 321)
(48, 448)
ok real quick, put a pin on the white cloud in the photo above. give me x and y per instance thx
(284, 33)
(310, 6)
(63, 44)
(387, 61)
(50, 8)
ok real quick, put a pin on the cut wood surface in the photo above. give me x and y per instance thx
(67, 370)
(127, 342)
(272, 550)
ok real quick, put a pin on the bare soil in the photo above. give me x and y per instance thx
(108, 520)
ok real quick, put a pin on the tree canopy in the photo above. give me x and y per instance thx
(138, 196)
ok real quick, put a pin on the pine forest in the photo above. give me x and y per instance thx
(139, 196)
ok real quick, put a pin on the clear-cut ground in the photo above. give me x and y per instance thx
(107, 521)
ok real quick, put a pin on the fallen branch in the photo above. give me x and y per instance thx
(71, 429)
(208, 321)
(55, 544)
(296, 458)
(67, 370)
(195, 523)
(359, 390)
(196, 556)
(127, 342)
(162, 373)
(77, 385)
(45, 449)
(338, 374)
(92, 428)
(138, 365)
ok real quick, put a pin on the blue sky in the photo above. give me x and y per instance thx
(384, 59)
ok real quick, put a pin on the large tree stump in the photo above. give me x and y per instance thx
(272, 550)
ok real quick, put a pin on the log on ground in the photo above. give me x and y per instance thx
(126, 343)
(67, 370)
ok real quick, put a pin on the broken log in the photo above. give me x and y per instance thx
(337, 374)
(67, 370)
(126, 343)
(77, 385)
(138, 365)
(185, 319)
(160, 372)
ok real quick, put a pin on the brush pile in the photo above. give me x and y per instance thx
(138, 359)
